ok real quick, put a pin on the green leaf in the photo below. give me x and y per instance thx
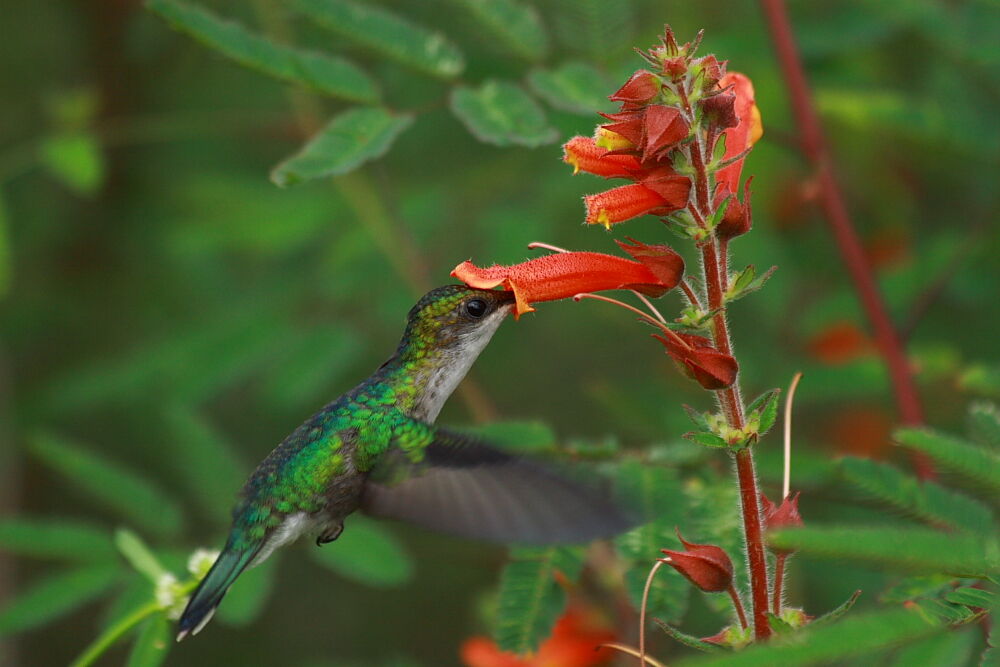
(138, 554)
(333, 76)
(519, 436)
(950, 649)
(974, 463)
(698, 418)
(74, 159)
(208, 466)
(654, 492)
(368, 554)
(601, 30)
(984, 424)
(55, 538)
(972, 597)
(575, 87)
(707, 439)
(688, 640)
(513, 25)
(348, 141)
(387, 34)
(766, 410)
(55, 596)
(836, 613)
(927, 501)
(113, 486)
(152, 643)
(530, 599)
(915, 549)
(245, 600)
(6, 265)
(312, 365)
(853, 637)
(501, 113)
(981, 379)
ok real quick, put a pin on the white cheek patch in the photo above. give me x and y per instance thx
(449, 373)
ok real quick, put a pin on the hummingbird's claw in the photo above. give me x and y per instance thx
(329, 535)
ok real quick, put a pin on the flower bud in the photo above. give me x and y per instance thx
(785, 515)
(700, 361)
(641, 87)
(738, 218)
(704, 565)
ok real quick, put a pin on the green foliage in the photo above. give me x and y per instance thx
(530, 597)
(138, 555)
(75, 160)
(63, 539)
(974, 463)
(501, 113)
(653, 492)
(350, 139)
(515, 25)
(575, 87)
(5, 258)
(246, 599)
(927, 501)
(529, 437)
(54, 596)
(387, 34)
(113, 486)
(367, 553)
(984, 424)
(914, 549)
(152, 643)
(854, 637)
(205, 463)
(325, 74)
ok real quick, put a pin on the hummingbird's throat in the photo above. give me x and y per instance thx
(440, 374)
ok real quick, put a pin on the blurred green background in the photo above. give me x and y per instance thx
(168, 309)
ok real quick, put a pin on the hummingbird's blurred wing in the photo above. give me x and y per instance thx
(468, 488)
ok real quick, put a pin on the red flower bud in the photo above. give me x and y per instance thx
(704, 565)
(629, 124)
(640, 88)
(585, 155)
(785, 515)
(675, 67)
(664, 127)
(664, 263)
(711, 71)
(720, 111)
(738, 218)
(712, 369)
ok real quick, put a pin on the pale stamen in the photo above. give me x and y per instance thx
(787, 478)
(645, 316)
(545, 246)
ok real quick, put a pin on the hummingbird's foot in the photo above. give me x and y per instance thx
(329, 535)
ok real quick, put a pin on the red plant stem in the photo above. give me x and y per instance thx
(738, 605)
(832, 199)
(732, 407)
(779, 580)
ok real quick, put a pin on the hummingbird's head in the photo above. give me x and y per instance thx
(445, 332)
(457, 319)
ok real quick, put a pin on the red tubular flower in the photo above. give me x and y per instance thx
(623, 203)
(746, 132)
(585, 155)
(574, 643)
(712, 369)
(629, 124)
(704, 565)
(563, 275)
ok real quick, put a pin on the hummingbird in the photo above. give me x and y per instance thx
(376, 449)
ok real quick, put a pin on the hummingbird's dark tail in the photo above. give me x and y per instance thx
(200, 608)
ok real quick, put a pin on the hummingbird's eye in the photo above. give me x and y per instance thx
(476, 308)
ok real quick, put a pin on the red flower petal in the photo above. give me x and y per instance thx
(747, 131)
(585, 155)
(561, 276)
(703, 363)
(705, 565)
